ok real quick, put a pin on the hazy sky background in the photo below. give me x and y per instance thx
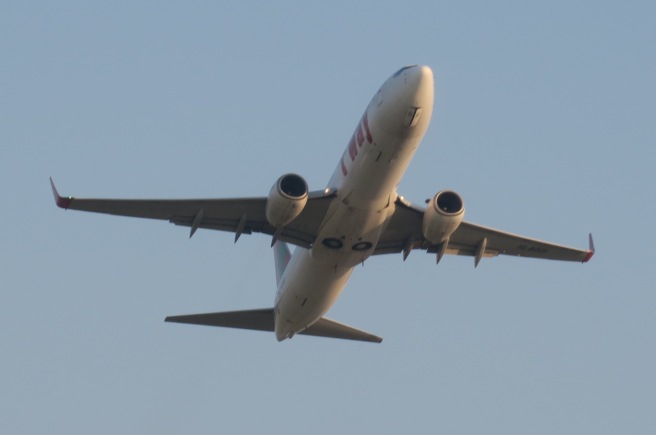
(545, 123)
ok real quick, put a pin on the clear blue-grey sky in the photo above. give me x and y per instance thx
(545, 122)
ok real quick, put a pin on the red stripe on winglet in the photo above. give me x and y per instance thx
(588, 257)
(64, 202)
(60, 200)
(591, 249)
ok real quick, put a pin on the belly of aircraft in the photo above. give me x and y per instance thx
(346, 239)
(350, 233)
(314, 289)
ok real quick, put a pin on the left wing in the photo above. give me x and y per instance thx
(238, 215)
(404, 233)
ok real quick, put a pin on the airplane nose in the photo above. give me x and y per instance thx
(405, 102)
(420, 85)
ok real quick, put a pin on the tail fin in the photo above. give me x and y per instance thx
(281, 256)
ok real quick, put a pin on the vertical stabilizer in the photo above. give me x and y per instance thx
(281, 256)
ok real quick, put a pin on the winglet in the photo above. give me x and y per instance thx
(60, 200)
(591, 249)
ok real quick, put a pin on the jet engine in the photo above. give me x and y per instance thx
(442, 216)
(286, 200)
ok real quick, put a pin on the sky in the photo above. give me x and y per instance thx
(544, 122)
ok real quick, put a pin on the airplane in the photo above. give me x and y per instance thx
(358, 214)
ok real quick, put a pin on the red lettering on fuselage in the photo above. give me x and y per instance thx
(365, 123)
(360, 135)
(357, 140)
(353, 151)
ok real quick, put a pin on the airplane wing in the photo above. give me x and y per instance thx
(238, 215)
(404, 233)
(247, 215)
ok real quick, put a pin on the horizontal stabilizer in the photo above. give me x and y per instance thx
(329, 328)
(263, 320)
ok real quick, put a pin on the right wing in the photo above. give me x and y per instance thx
(238, 215)
(404, 233)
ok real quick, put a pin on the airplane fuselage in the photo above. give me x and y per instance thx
(365, 182)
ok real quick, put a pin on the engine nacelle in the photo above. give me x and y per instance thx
(442, 216)
(287, 199)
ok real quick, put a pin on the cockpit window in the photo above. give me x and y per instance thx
(396, 74)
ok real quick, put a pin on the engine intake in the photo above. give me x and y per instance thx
(286, 200)
(442, 216)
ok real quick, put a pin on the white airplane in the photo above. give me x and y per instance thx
(358, 215)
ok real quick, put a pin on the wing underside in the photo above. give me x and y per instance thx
(404, 233)
(238, 215)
